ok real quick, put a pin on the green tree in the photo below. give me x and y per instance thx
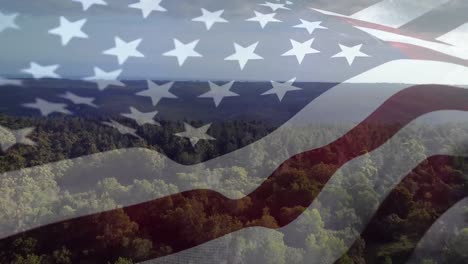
(270, 249)
(123, 261)
(29, 259)
(324, 247)
(62, 256)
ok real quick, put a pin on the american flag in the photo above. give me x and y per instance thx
(167, 131)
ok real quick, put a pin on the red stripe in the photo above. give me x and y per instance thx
(203, 215)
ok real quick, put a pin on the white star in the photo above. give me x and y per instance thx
(243, 55)
(183, 51)
(195, 134)
(210, 18)
(9, 138)
(310, 26)
(350, 53)
(218, 92)
(105, 79)
(46, 108)
(300, 50)
(88, 3)
(124, 50)
(274, 6)
(10, 82)
(68, 30)
(264, 19)
(148, 6)
(8, 21)
(157, 92)
(280, 89)
(39, 71)
(142, 118)
(124, 130)
(79, 99)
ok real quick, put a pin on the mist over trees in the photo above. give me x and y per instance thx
(390, 237)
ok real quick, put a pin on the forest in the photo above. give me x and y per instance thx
(392, 229)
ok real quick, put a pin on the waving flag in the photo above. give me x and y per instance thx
(203, 131)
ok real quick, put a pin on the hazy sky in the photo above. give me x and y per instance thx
(32, 42)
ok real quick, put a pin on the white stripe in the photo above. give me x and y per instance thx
(456, 37)
(458, 52)
(447, 74)
(396, 13)
(341, 180)
(346, 104)
(391, 13)
(329, 13)
(435, 239)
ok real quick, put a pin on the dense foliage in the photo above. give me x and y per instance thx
(390, 237)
